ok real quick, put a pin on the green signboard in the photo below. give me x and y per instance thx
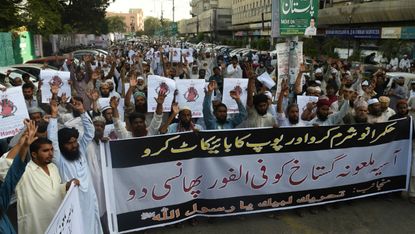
(408, 33)
(294, 17)
(173, 28)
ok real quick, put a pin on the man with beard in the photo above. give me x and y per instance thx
(104, 89)
(185, 123)
(112, 92)
(137, 122)
(40, 191)
(219, 120)
(218, 78)
(401, 110)
(257, 106)
(387, 112)
(323, 109)
(140, 101)
(93, 155)
(375, 112)
(234, 70)
(69, 157)
(360, 114)
(28, 91)
(398, 92)
(81, 80)
(293, 119)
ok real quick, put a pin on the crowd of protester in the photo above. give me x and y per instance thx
(41, 162)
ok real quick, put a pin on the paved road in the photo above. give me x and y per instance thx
(368, 215)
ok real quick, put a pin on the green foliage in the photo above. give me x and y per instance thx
(9, 17)
(151, 24)
(116, 24)
(394, 48)
(328, 47)
(85, 16)
(311, 47)
(200, 37)
(260, 44)
(44, 16)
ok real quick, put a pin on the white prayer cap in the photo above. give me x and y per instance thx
(109, 81)
(319, 70)
(269, 94)
(365, 83)
(360, 103)
(348, 73)
(185, 108)
(99, 119)
(104, 108)
(372, 101)
(140, 78)
(318, 82)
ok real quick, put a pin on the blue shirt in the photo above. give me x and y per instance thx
(211, 121)
(6, 190)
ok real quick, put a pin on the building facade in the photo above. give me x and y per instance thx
(367, 19)
(210, 17)
(134, 19)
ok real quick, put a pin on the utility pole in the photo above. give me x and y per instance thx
(173, 11)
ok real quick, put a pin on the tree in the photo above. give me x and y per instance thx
(85, 16)
(9, 14)
(42, 16)
(116, 24)
(151, 24)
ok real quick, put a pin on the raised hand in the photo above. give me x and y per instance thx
(133, 81)
(64, 98)
(77, 105)
(235, 95)
(161, 96)
(114, 102)
(31, 130)
(211, 86)
(54, 89)
(175, 108)
(96, 75)
(284, 85)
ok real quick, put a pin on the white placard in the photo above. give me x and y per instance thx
(188, 54)
(155, 84)
(175, 55)
(68, 219)
(302, 102)
(191, 94)
(266, 80)
(50, 77)
(238, 85)
(13, 111)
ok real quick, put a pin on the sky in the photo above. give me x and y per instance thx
(153, 8)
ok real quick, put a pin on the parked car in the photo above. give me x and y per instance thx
(78, 54)
(33, 68)
(16, 73)
(394, 75)
(55, 61)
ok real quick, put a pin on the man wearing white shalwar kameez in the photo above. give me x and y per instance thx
(93, 154)
(78, 167)
(39, 194)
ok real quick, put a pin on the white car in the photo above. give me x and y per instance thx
(33, 68)
(394, 75)
(16, 73)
